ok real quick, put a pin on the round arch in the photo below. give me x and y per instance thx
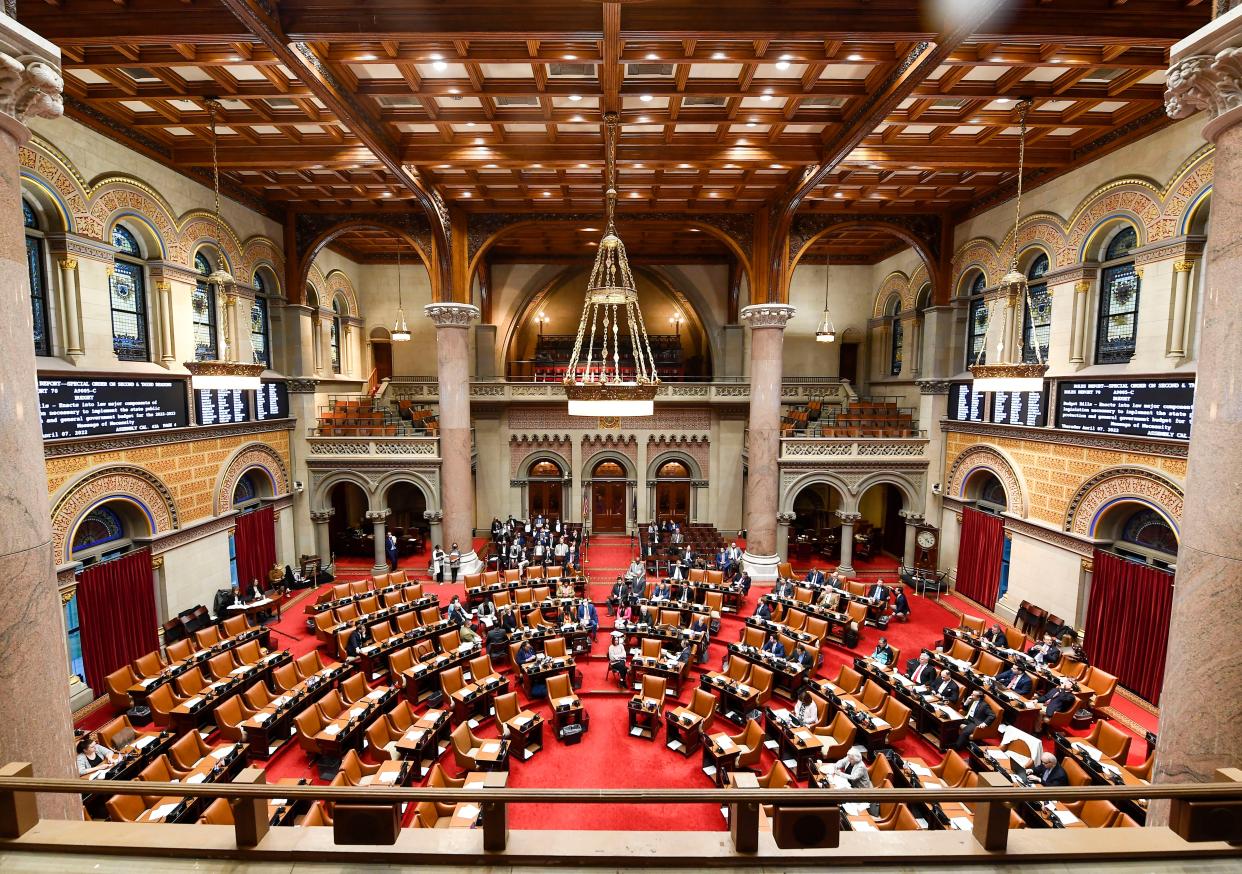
(543, 222)
(339, 284)
(1123, 484)
(53, 215)
(141, 489)
(327, 236)
(153, 244)
(909, 490)
(602, 455)
(1101, 234)
(538, 455)
(849, 501)
(692, 466)
(912, 240)
(378, 494)
(999, 464)
(1194, 221)
(323, 488)
(250, 457)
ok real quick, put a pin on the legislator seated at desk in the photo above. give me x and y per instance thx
(1016, 680)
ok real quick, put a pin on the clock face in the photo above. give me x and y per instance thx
(927, 539)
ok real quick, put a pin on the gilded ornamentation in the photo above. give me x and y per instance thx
(126, 482)
(250, 457)
(990, 459)
(338, 283)
(69, 264)
(1146, 486)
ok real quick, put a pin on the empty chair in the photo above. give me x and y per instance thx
(750, 739)
(221, 665)
(897, 715)
(354, 688)
(873, 697)
(466, 746)
(554, 647)
(148, 665)
(560, 690)
(257, 696)
(1143, 771)
(219, 812)
(230, 714)
(285, 678)
(482, 671)
(354, 769)
(179, 650)
(838, 734)
(207, 637)
(188, 749)
(902, 820)
(162, 701)
(962, 651)
(119, 682)
(753, 637)
(308, 664)
(248, 653)
(1110, 740)
(952, 769)
(330, 705)
(190, 683)
(127, 808)
(161, 770)
(777, 777)
(760, 679)
(1102, 685)
(1094, 813)
(848, 681)
(235, 625)
(307, 725)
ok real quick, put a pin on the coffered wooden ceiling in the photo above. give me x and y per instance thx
(338, 106)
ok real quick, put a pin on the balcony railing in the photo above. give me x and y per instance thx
(793, 391)
(373, 447)
(1202, 817)
(803, 448)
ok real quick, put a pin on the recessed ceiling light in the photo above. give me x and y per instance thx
(385, 194)
(454, 91)
(547, 194)
(490, 166)
(465, 194)
(778, 166)
(638, 166)
(854, 57)
(1002, 99)
(652, 56)
(576, 118)
(633, 194)
(535, 166)
(642, 119)
(743, 142)
(583, 166)
(765, 96)
(646, 98)
(711, 194)
(478, 142)
(718, 56)
(470, 124)
(752, 123)
(575, 97)
(838, 195)
(367, 57)
(571, 57)
(995, 59)
(590, 230)
(684, 166)
(1055, 60)
(437, 57)
(443, 166)
(783, 63)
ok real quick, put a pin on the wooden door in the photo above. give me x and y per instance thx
(608, 507)
(544, 499)
(381, 356)
(673, 502)
(849, 363)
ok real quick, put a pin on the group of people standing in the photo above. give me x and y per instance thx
(537, 541)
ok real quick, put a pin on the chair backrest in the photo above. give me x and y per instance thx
(118, 733)
(473, 581)
(552, 572)
(257, 696)
(650, 648)
(559, 686)
(191, 682)
(696, 575)
(1110, 740)
(354, 688)
(451, 680)
(848, 679)
(554, 647)
(753, 636)
(714, 601)
(704, 704)
(219, 812)
(429, 615)
(331, 705)
(248, 653)
(187, 750)
(873, 695)
(534, 572)
(179, 650)
(235, 625)
(148, 665)
(881, 769)
(125, 808)
(973, 624)
(449, 640)
(738, 669)
(1075, 773)
(988, 664)
(221, 664)
(856, 611)
(285, 677)
(784, 570)
(1015, 639)
(506, 706)
(761, 679)
(962, 651)
(715, 577)
(512, 574)
(670, 617)
(654, 687)
(481, 667)
(308, 724)
(501, 599)
(308, 663)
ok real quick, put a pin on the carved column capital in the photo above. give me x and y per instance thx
(767, 315)
(451, 315)
(433, 515)
(911, 517)
(1183, 266)
(68, 263)
(302, 385)
(785, 518)
(849, 518)
(377, 515)
(30, 81)
(1082, 286)
(934, 386)
(1204, 81)
(322, 515)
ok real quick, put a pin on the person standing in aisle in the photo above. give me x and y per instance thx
(454, 562)
(438, 560)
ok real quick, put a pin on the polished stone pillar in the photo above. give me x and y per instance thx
(323, 538)
(913, 520)
(452, 321)
(846, 567)
(37, 726)
(1078, 325)
(1201, 705)
(783, 521)
(379, 534)
(71, 308)
(1181, 307)
(435, 518)
(767, 339)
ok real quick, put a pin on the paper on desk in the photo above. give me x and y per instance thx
(236, 671)
(475, 784)
(375, 694)
(949, 712)
(97, 775)
(1089, 750)
(880, 723)
(1020, 759)
(725, 742)
(142, 742)
(519, 721)
(1066, 817)
(561, 702)
(962, 823)
(388, 776)
(999, 754)
(221, 752)
(1034, 746)
(854, 808)
(491, 748)
(332, 730)
(163, 810)
(780, 713)
(192, 701)
(863, 826)
(196, 778)
(919, 769)
(469, 811)
(356, 711)
(433, 714)
(414, 734)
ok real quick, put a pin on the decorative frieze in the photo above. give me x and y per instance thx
(767, 315)
(451, 315)
(1147, 446)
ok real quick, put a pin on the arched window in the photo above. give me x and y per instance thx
(1148, 529)
(203, 302)
(977, 323)
(129, 298)
(1117, 323)
(38, 280)
(545, 470)
(335, 338)
(608, 470)
(921, 304)
(673, 470)
(897, 333)
(245, 492)
(101, 526)
(1037, 326)
(260, 328)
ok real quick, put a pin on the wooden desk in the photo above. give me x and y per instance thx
(140, 691)
(270, 728)
(569, 711)
(794, 742)
(252, 609)
(644, 717)
(424, 742)
(348, 730)
(525, 733)
(787, 677)
(199, 709)
(131, 760)
(538, 670)
(670, 669)
(736, 699)
(683, 730)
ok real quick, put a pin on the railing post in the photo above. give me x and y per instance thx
(992, 817)
(19, 811)
(250, 818)
(744, 816)
(495, 815)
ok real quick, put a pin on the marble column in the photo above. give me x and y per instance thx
(435, 518)
(1181, 306)
(767, 338)
(71, 308)
(165, 322)
(452, 321)
(323, 539)
(379, 534)
(37, 726)
(1078, 328)
(783, 521)
(1200, 705)
(846, 567)
(913, 520)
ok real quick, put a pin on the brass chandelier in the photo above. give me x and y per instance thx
(1010, 373)
(596, 383)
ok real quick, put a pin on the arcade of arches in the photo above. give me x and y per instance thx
(820, 218)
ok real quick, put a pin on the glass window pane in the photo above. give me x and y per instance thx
(1118, 314)
(1038, 325)
(335, 331)
(976, 332)
(38, 294)
(129, 312)
(1120, 245)
(894, 366)
(125, 241)
(203, 303)
(29, 219)
(259, 332)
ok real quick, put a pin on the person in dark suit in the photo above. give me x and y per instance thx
(784, 588)
(1046, 653)
(763, 611)
(977, 713)
(921, 671)
(944, 689)
(1049, 772)
(815, 577)
(800, 656)
(996, 635)
(661, 591)
(1016, 680)
(883, 653)
(496, 635)
(901, 606)
(508, 621)
(358, 638)
(525, 653)
(774, 646)
(687, 650)
(878, 591)
(588, 616)
(1059, 698)
(744, 582)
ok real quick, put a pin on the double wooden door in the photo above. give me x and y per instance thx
(544, 499)
(608, 506)
(673, 502)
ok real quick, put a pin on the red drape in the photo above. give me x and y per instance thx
(1127, 629)
(116, 614)
(255, 544)
(979, 556)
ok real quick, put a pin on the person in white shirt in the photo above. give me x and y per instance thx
(805, 711)
(93, 756)
(616, 656)
(438, 561)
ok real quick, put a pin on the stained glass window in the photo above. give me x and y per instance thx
(335, 339)
(101, 525)
(1117, 322)
(1148, 528)
(38, 282)
(259, 332)
(203, 303)
(1037, 326)
(977, 323)
(898, 337)
(244, 490)
(128, 300)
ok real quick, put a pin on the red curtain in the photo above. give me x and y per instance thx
(1127, 629)
(254, 543)
(116, 615)
(979, 556)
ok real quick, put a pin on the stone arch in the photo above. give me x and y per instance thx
(46, 204)
(979, 254)
(534, 457)
(42, 164)
(896, 283)
(994, 460)
(324, 486)
(849, 498)
(319, 284)
(1134, 199)
(658, 461)
(909, 490)
(1186, 191)
(115, 197)
(431, 494)
(252, 456)
(1043, 229)
(199, 228)
(307, 264)
(134, 485)
(336, 283)
(907, 236)
(608, 454)
(262, 252)
(1138, 484)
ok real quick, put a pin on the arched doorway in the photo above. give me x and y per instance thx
(608, 488)
(1140, 533)
(544, 490)
(406, 504)
(816, 528)
(381, 354)
(672, 493)
(881, 529)
(350, 533)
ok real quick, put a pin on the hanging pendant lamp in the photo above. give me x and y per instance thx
(400, 330)
(826, 333)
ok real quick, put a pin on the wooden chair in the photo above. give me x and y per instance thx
(219, 812)
(188, 750)
(841, 732)
(230, 714)
(952, 770)
(1102, 685)
(119, 682)
(1110, 740)
(162, 700)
